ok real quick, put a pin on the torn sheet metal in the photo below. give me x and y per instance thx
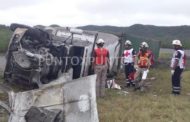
(76, 98)
(80, 100)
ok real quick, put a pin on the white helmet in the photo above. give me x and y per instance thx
(144, 44)
(127, 42)
(176, 42)
(100, 41)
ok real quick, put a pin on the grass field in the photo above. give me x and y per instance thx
(156, 104)
(5, 36)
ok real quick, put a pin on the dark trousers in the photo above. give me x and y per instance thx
(176, 81)
(129, 68)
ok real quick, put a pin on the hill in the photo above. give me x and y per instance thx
(165, 34)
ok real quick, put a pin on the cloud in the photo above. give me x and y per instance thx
(125, 7)
(127, 12)
(6, 4)
(100, 12)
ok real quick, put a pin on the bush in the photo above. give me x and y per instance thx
(5, 35)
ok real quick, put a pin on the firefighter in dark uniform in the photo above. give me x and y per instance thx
(177, 66)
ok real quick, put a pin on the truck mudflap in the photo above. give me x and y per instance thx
(76, 99)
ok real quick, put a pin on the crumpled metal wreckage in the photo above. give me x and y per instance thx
(48, 57)
(38, 56)
(58, 101)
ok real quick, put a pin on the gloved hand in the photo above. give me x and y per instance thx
(172, 72)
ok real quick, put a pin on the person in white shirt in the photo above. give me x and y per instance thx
(177, 66)
(128, 61)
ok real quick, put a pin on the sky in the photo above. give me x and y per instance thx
(95, 12)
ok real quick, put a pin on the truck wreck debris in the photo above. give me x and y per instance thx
(56, 102)
(38, 56)
(58, 60)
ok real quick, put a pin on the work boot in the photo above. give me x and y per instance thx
(175, 93)
(127, 83)
(132, 84)
(136, 88)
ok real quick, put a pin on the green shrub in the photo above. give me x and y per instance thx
(5, 35)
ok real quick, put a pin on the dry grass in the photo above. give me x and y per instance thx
(156, 104)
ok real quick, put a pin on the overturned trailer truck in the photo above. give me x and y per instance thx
(58, 60)
(38, 56)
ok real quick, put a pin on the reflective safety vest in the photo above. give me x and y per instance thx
(143, 60)
(101, 55)
(128, 56)
(182, 59)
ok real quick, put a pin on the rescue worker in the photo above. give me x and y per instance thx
(129, 55)
(101, 66)
(177, 66)
(143, 63)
